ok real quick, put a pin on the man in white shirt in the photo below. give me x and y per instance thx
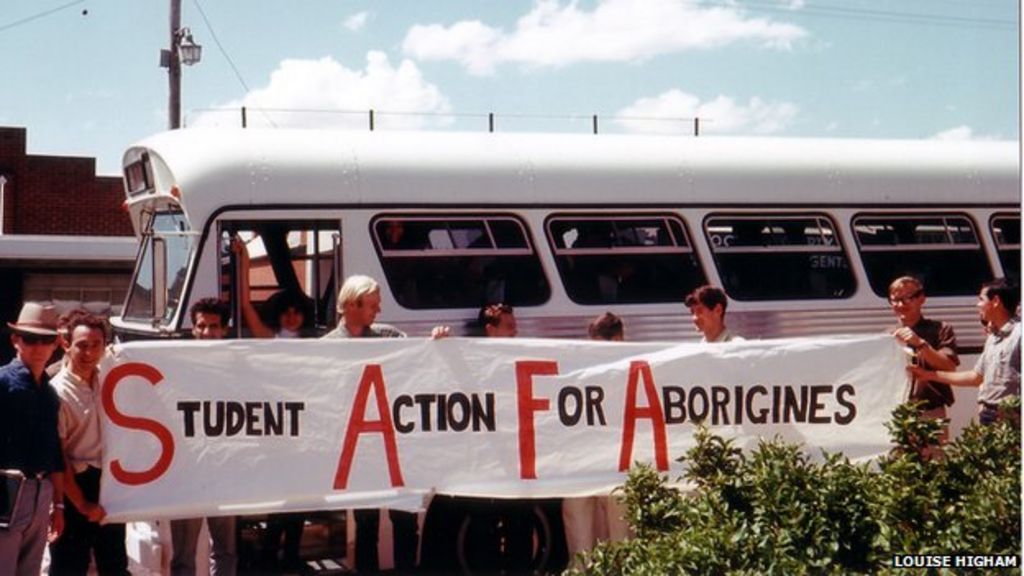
(78, 424)
(707, 306)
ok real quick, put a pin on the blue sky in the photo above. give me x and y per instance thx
(83, 75)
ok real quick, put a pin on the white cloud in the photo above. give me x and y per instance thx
(673, 112)
(958, 133)
(357, 21)
(553, 34)
(964, 132)
(314, 93)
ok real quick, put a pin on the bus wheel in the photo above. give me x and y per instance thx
(507, 538)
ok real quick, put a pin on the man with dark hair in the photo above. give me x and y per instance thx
(997, 370)
(933, 343)
(209, 322)
(29, 443)
(707, 306)
(78, 386)
(498, 321)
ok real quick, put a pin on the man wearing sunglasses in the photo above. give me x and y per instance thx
(29, 443)
(932, 342)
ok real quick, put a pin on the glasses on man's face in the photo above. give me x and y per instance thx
(894, 300)
(37, 339)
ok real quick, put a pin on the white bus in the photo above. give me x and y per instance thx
(804, 235)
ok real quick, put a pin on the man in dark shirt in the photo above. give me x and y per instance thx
(933, 344)
(29, 442)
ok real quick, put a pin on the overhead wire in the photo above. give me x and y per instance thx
(39, 15)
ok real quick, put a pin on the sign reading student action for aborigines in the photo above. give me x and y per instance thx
(236, 427)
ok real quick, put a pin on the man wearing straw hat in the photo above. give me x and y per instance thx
(29, 444)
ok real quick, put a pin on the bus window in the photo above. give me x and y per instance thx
(624, 260)
(941, 249)
(458, 261)
(160, 277)
(1006, 231)
(286, 257)
(781, 257)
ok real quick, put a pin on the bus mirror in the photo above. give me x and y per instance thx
(159, 278)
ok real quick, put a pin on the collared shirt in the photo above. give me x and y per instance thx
(79, 420)
(723, 336)
(28, 422)
(999, 364)
(374, 331)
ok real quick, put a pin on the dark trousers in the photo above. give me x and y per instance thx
(70, 553)
(406, 539)
(290, 525)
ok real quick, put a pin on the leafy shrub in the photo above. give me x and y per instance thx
(776, 511)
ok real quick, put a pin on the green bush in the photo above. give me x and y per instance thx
(776, 511)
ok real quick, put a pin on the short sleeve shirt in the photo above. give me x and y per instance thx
(28, 422)
(374, 331)
(79, 421)
(999, 364)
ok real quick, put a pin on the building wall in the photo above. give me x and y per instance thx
(57, 195)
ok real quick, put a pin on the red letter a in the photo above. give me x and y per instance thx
(633, 413)
(357, 424)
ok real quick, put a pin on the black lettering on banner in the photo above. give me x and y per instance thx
(762, 416)
(719, 405)
(403, 427)
(595, 395)
(695, 414)
(566, 396)
(230, 418)
(738, 405)
(817, 407)
(673, 400)
(454, 412)
(851, 409)
(188, 411)
(796, 410)
(458, 399)
(776, 398)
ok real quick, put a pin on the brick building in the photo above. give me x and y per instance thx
(63, 235)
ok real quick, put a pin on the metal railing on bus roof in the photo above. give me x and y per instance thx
(201, 116)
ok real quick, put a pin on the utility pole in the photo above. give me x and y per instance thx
(174, 70)
(182, 51)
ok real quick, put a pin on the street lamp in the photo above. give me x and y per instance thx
(183, 50)
(190, 52)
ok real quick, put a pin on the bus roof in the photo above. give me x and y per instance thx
(213, 168)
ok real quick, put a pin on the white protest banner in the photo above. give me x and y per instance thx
(235, 427)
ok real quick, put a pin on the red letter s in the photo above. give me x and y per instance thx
(163, 435)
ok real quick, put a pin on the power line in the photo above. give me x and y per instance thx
(221, 47)
(42, 14)
(832, 11)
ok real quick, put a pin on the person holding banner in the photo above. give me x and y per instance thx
(498, 321)
(78, 386)
(933, 344)
(30, 451)
(997, 371)
(209, 322)
(590, 519)
(707, 306)
(358, 306)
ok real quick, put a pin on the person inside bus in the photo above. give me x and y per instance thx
(707, 306)
(497, 321)
(288, 315)
(358, 307)
(591, 519)
(997, 371)
(933, 344)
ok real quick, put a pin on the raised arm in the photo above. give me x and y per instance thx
(249, 314)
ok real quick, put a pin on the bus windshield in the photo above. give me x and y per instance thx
(160, 271)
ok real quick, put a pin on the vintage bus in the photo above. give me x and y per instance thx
(804, 235)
